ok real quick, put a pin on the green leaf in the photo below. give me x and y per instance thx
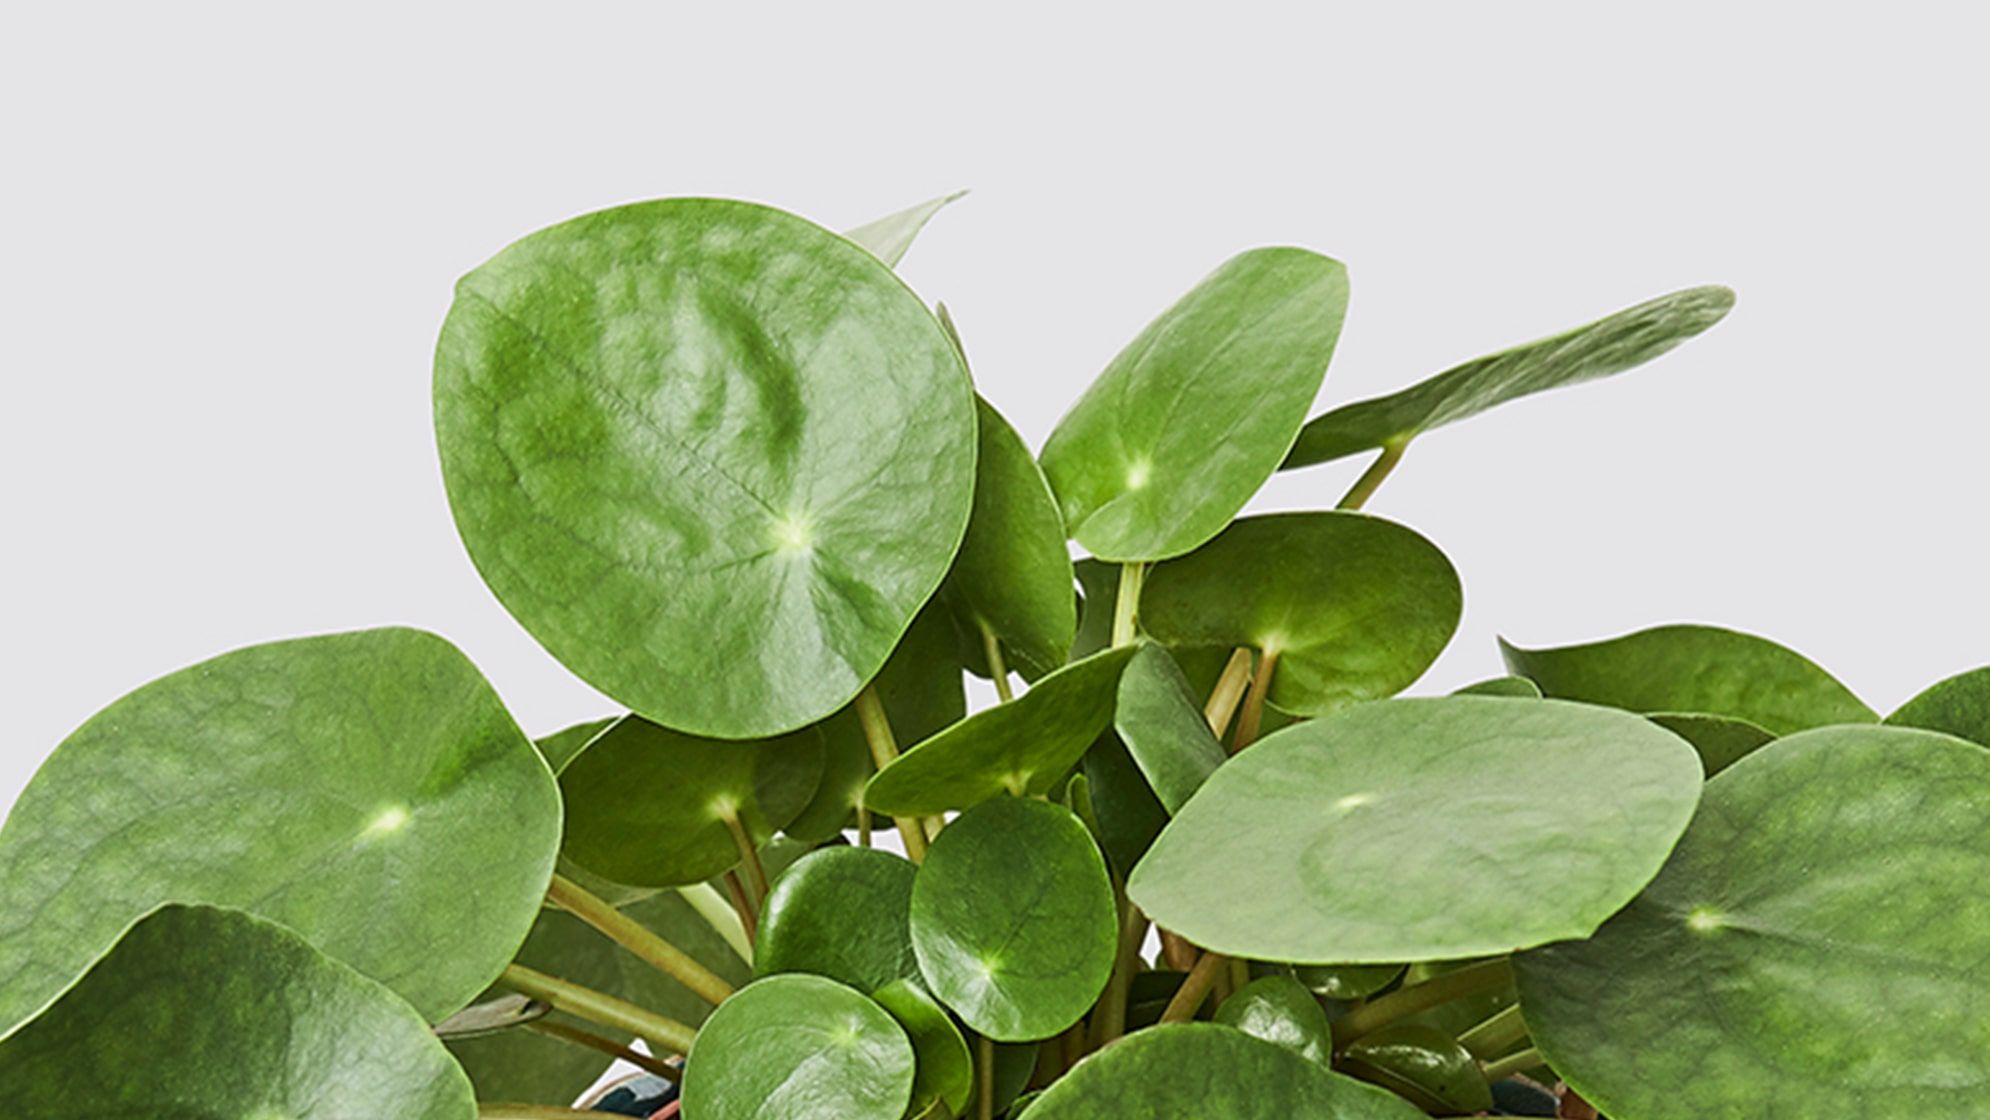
(206, 1012)
(1612, 344)
(945, 1068)
(563, 745)
(799, 1047)
(890, 236)
(1517, 688)
(560, 748)
(1013, 919)
(1209, 1072)
(713, 457)
(1815, 947)
(1162, 726)
(1098, 584)
(346, 786)
(1346, 982)
(1694, 669)
(521, 1065)
(1394, 831)
(1280, 1010)
(1721, 741)
(1021, 747)
(1013, 578)
(1959, 706)
(647, 806)
(1188, 421)
(840, 912)
(1424, 1066)
(1354, 607)
(1126, 815)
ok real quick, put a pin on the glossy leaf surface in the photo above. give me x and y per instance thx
(1615, 343)
(1694, 669)
(798, 1047)
(1188, 421)
(1018, 748)
(842, 913)
(1394, 831)
(1346, 981)
(945, 1066)
(1280, 1010)
(1423, 1065)
(890, 236)
(713, 457)
(646, 806)
(1013, 919)
(205, 1012)
(1739, 986)
(1958, 706)
(1162, 726)
(1720, 740)
(1355, 607)
(346, 786)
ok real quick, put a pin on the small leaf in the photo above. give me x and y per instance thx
(1127, 816)
(1720, 740)
(1814, 945)
(890, 236)
(647, 806)
(1424, 1066)
(1694, 669)
(1188, 421)
(1346, 982)
(799, 1047)
(1209, 1072)
(1518, 688)
(200, 1011)
(713, 457)
(1013, 919)
(346, 786)
(1279, 1010)
(840, 912)
(1958, 706)
(945, 1067)
(1162, 726)
(1354, 607)
(1615, 343)
(1021, 747)
(1394, 831)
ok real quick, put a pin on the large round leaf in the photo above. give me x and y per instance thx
(1694, 669)
(1209, 1072)
(946, 1067)
(206, 1012)
(1013, 919)
(347, 786)
(1354, 607)
(647, 806)
(1188, 421)
(1959, 706)
(798, 1047)
(1615, 343)
(1021, 747)
(1819, 945)
(840, 912)
(712, 456)
(1162, 727)
(1397, 831)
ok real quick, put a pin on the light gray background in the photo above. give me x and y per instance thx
(227, 238)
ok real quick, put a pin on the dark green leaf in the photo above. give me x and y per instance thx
(1279, 1009)
(840, 912)
(1188, 421)
(890, 236)
(1425, 1066)
(346, 786)
(1720, 740)
(1959, 706)
(1819, 945)
(799, 1047)
(712, 456)
(560, 748)
(1615, 343)
(1346, 981)
(1126, 816)
(945, 1068)
(1518, 688)
(1161, 723)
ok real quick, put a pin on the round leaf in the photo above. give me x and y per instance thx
(1279, 1010)
(1188, 421)
(840, 912)
(798, 1047)
(1346, 982)
(1423, 1065)
(647, 806)
(205, 1012)
(1354, 607)
(1013, 919)
(1819, 945)
(1021, 747)
(946, 1068)
(1395, 831)
(1615, 343)
(1518, 688)
(712, 456)
(1162, 726)
(1721, 741)
(1958, 706)
(1209, 1072)
(346, 786)
(1694, 669)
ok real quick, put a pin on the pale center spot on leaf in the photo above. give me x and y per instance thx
(724, 807)
(1353, 801)
(389, 820)
(794, 535)
(1137, 473)
(1018, 782)
(1705, 920)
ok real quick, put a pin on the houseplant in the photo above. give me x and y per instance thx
(729, 469)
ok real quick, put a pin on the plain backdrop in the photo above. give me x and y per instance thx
(228, 235)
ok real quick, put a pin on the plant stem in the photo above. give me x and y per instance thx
(863, 827)
(638, 939)
(661, 1032)
(1126, 608)
(1512, 1064)
(1109, 1021)
(718, 912)
(749, 855)
(984, 1060)
(1252, 716)
(1486, 976)
(1228, 691)
(884, 748)
(1240, 973)
(998, 670)
(1178, 953)
(1371, 479)
(1188, 998)
(741, 905)
(1497, 1033)
(606, 1046)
